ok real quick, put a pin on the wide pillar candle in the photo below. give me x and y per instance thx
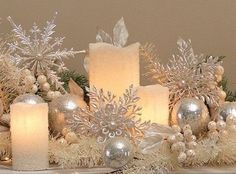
(29, 135)
(154, 100)
(112, 68)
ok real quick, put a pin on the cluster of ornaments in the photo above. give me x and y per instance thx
(219, 130)
(183, 143)
(39, 84)
(219, 72)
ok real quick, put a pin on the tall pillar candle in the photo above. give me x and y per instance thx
(29, 133)
(154, 100)
(112, 68)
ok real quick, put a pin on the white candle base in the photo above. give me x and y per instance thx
(154, 100)
(29, 134)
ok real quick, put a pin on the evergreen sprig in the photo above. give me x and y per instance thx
(230, 95)
(80, 79)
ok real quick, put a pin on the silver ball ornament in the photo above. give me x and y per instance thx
(61, 109)
(117, 152)
(226, 109)
(193, 112)
(29, 99)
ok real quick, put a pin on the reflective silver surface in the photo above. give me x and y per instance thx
(193, 112)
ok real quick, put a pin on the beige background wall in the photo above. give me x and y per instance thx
(211, 24)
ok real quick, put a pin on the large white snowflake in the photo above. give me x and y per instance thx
(186, 74)
(108, 118)
(40, 52)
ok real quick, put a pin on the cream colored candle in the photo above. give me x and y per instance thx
(29, 133)
(112, 68)
(154, 100)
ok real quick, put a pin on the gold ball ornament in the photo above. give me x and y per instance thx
(42, 79)
(34, 88)
(61, 109)
(71, 137)
(192, 112)
(218, 77)
(219, 70)
(46, 87)
(182, 157)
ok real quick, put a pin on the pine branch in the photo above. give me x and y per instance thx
(230, 95)
(81, 80)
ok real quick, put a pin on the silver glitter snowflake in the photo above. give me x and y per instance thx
(40, 52)
(108, 118)
(186, 74)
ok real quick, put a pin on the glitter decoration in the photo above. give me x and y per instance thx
(110, 117)
(40, 52)
(186, 74)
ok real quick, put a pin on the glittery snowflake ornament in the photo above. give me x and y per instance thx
(40, 53)
(109, 118)
(187, 74)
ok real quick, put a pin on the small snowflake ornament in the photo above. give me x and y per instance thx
(40, 53)
(187, 74)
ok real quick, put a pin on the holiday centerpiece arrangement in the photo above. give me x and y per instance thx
(50, 116)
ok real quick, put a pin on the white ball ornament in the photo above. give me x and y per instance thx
(176, 128)
(171, 139)
(190, 153)
(42, 79)
(223, 134)
(30, 79)
(181, 146)
(179, 136)
(57, 94)
(50, 95)
(34, 89)
(175, 147)
(46, 87)
(188, 133)
(212, 126)
(182, 157)
(220, 125)
(191, 145)
(71, 137)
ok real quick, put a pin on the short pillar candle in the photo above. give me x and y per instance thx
(154, 100)
(29, 135)
(112, 68)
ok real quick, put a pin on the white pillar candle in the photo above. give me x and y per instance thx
(29, 133)
(154, 100)
(112, 68)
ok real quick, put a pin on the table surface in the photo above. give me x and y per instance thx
(5, 169)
